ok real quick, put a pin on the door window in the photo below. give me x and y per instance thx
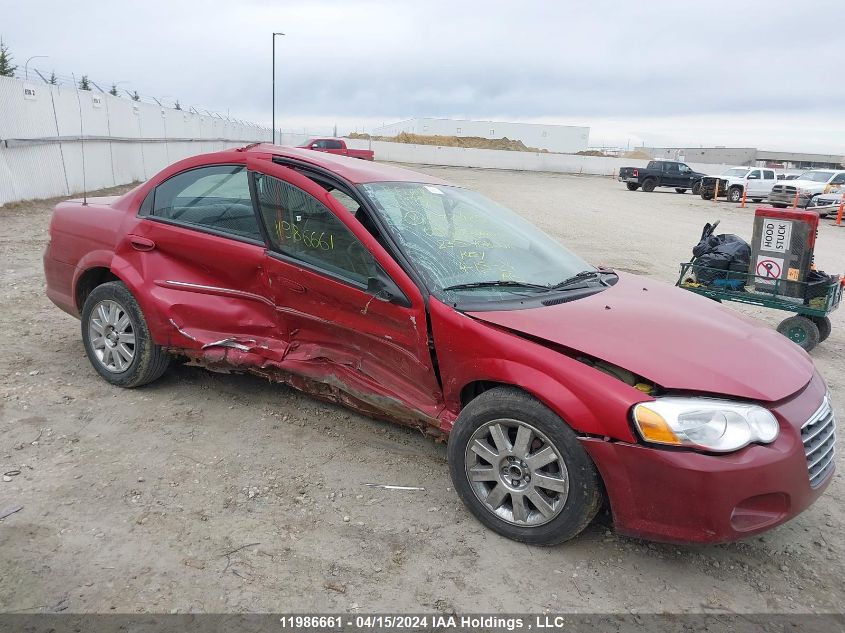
(839, 179)
(302, 227)
(754, 174)
(215, 198)
(334, 145)
(768, 174)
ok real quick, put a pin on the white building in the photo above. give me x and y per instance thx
(555, 138)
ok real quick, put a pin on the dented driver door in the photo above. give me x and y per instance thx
(347, 342)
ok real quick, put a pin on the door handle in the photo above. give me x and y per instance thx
(141, 243)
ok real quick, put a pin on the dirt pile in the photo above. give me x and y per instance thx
(476, 142)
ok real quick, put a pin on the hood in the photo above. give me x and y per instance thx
(804, 184)
(670, 336)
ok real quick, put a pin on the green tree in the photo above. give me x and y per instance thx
(6, 67)
(113, 91)
(177, 106)
(136, 96)
(83, 83)
(53, 80)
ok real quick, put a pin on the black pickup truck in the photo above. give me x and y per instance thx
(661, 173)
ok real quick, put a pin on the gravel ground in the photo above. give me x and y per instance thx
(210, 493)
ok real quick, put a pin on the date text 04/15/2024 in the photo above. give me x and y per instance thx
(414, 622)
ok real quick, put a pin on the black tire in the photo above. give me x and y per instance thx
(778, 205)
(800, 330)
(757, 200)
(680, 190)
(632, 186)
(824, 325)
(583, 499)
(149, 361)
(735, 193)
(706, 195)
(696, 188)
(649, 184)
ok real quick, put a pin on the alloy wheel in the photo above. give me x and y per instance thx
(516, 472)
(112, 336)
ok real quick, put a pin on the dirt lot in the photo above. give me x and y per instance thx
(210, 493)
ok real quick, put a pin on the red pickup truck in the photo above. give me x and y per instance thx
(337, 146)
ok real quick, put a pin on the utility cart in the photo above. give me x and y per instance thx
(808, 327)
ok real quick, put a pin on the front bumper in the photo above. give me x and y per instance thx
(788, 199)
(689, 497)
(824, 206)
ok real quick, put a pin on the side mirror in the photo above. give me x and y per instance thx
(315, 146)
(383, 288)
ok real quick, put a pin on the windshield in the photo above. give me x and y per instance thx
(816, 176)
(457, 237)
(736, 173)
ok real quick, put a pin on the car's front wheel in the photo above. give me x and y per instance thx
(521, 470)
(696, 187)
(735, 194)
(117, 339)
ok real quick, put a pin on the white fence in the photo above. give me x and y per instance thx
(499, 159)
(47, 134)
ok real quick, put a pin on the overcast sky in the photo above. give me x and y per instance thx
(766, 74)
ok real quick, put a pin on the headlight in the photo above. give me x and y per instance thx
(705, 423)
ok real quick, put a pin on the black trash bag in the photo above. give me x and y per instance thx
(716, 253)
(818, 284)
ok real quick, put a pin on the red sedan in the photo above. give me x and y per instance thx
(560, 386)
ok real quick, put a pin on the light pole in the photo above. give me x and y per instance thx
(274, 86)
(26, 65)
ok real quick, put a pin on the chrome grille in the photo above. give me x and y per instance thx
(819, 437)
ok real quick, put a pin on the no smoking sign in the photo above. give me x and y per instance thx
(769, 267)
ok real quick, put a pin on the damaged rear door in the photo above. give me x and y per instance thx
(200, 250)
(357, 326)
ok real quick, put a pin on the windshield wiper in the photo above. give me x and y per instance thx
(503, 283)
(582, 276)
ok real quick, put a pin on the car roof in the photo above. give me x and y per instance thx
(353, 170)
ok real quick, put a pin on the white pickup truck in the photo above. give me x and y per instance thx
(806, 187)
(735, 180)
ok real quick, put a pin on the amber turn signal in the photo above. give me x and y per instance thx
(653, 427)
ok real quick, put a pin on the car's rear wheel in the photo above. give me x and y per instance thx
(117, 339)
(632, 186)
(735, 194)
(521, 470)
(680, 190)
(778, 205)
(649, 185)
(756, 200)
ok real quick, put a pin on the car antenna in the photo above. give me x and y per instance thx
(81, 141)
